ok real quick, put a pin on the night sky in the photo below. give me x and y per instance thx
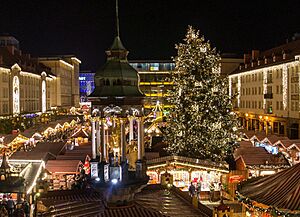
(149, 28)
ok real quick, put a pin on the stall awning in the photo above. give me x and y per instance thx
(63, 166)
(281, 190)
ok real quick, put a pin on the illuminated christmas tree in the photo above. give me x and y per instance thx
(201, 124)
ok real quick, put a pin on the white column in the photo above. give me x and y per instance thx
(93, 140)
(130, 129)
(142, 131)
(103, 147)
(98, 139)
(140, 139)
(123, 142)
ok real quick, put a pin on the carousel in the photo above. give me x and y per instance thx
(117, 126)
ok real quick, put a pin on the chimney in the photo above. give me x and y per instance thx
(246, 58)
(255, 54)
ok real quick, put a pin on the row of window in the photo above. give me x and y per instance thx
(293, 71)
(153, 66)
(279, 105)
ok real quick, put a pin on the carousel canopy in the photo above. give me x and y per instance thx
(281, 190)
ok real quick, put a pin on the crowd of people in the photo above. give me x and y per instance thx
(10, 208)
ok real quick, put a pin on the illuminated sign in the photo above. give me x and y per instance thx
(81, 78)
(268, 148)
(106, 173)
(94, 170)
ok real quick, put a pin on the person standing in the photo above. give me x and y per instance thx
(10, 206)
(199, 190)
(192, 189)
(211, 191)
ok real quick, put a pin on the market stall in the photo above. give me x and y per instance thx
(275, 195)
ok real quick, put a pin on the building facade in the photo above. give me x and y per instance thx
(154, 74)
(66, 70)
(86, 84)
(25, 84)
(266, 86)
(31, 85)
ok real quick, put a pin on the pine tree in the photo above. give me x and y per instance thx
(201, 124)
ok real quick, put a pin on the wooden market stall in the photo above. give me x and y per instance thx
(274, 195)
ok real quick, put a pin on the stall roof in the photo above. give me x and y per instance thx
(273, 138)
(289, 143)
(280, 190)
(63, 166)
(80, 133)
(255, 156)
(43, 150)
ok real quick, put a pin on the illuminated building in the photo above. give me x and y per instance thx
(25, 84)
(86, 84)
(267, 89)
(66, 70)
(30, 85)
(154, 77)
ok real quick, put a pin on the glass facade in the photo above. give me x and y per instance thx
(154, 81)
(86, 83)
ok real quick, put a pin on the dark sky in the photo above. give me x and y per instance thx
(149, 28)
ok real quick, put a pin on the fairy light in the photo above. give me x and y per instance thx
(239, 90)
(265, 80)
(230, 86)
(284, 86)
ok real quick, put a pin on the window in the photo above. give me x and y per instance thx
(259, 105)
(277, 105)
(259, 90)
(281, 89)
(277, 89)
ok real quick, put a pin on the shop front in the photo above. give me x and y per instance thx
(186, 171)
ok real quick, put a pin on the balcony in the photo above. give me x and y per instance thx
(268, 96)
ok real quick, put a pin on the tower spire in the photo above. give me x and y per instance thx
(117, 19)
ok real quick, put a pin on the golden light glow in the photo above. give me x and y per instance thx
(76, 59)
(154, 72)
(30, 74)
(246, 114)
(157, 94)
(156, 83)
(65, 63)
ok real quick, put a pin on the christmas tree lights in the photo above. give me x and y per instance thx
(201, 124)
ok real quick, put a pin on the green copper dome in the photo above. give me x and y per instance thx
(117, 78)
